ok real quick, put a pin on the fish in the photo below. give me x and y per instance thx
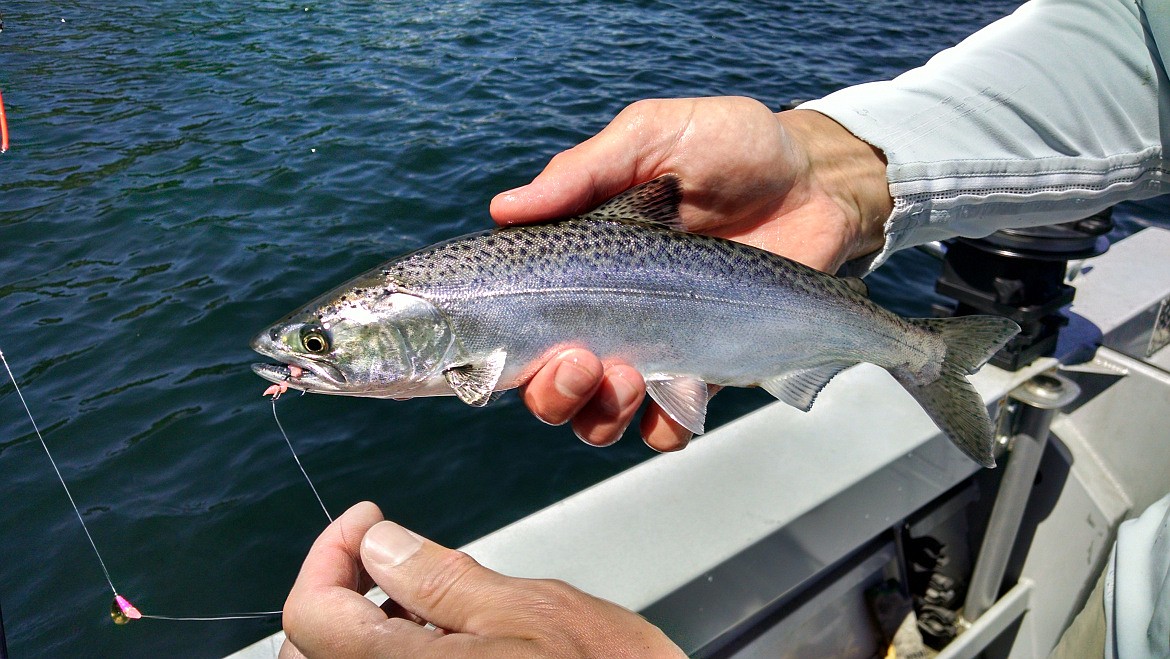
(478, 314)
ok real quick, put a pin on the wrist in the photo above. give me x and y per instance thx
(848, 171)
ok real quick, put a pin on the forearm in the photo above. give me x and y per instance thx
(1047, 115)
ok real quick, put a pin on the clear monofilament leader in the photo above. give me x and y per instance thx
(298, 460)
(122, 611)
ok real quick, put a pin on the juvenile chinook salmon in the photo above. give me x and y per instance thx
(475, 314)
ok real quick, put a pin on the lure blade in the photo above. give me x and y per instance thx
(122, 611)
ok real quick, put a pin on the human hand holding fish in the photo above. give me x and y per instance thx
(443, 604)
(794, 183)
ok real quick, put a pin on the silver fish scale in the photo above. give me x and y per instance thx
(584, 277)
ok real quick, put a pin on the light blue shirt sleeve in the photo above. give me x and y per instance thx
(1047, 115)
(1137, 587)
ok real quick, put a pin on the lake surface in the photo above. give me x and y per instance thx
(183, 173)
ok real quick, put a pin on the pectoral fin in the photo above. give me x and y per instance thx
(856, 285)
(799, 388)
(682, 397)
(474, 382)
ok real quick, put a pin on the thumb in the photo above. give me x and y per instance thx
(579, 179)
(443, 586)
(575, 181)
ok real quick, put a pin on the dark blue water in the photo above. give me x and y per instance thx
(183, 173)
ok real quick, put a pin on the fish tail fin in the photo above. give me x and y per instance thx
(950, 400)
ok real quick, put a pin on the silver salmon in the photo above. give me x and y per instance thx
(479, 313)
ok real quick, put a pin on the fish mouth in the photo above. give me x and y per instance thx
(278, 373)
(303, 374)
(310, 378)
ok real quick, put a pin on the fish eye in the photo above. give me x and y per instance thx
(314, 340)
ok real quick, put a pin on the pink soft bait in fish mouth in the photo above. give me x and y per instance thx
(280, 388)
(275, 390)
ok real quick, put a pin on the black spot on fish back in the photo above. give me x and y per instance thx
(581, 248)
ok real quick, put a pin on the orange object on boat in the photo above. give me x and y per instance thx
(3, 127)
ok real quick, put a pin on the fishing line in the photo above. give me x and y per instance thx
(121, 610)
(3, 638)
(53, 462)
(226, 616)
(298, 460)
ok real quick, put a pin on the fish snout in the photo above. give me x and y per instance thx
(265, 342)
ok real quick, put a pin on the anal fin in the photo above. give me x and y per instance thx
(856, 285)
(682, 397)
(799, 388)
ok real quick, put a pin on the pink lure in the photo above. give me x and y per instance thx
(280, 388)
(275, 390)
(127, 608)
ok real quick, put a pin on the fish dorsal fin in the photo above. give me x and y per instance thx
(473, 382)
(682, 397)
(799, 388)
(856, 285)
(653, 202)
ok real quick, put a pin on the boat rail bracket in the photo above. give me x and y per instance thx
(1035, 403)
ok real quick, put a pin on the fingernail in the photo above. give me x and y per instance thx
(389, 544)
(573, 380)
(624, 395)
(601, 444)
(680, 445)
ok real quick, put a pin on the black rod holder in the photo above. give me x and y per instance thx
(1020, 274)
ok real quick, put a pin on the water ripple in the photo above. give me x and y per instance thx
(183, 173)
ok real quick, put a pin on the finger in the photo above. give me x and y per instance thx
(664, 434)
(572, 183)
(333, 560)
(290, 651)
(489, 615)
(444, 586)
(563, 386)
(393, 609)
(605, 417)
(326, 602)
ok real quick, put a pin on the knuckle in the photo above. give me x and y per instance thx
(560, 160)
(638, 109)
(553, 597)
(447, 574)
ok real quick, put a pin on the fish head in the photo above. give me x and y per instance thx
(384, 345)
